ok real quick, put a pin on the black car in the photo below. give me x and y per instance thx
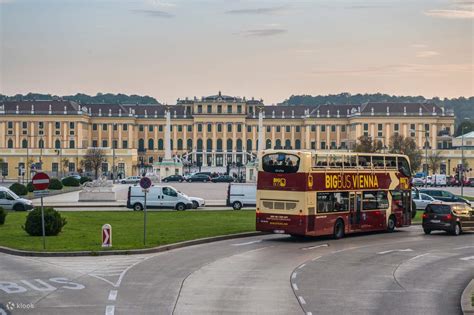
(173, 178)
(443, 195)
(223, 179)
(453, 218)
(199, 178)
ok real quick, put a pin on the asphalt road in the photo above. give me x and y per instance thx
(405, 272)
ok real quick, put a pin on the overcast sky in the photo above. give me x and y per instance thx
(267, 49)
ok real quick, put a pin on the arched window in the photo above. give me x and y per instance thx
(171, 144)
(199, 145)
(219, 145)
(10, 144)
(57, 144)
(287, 144)
(209, 145)
(41, 144)
(180, 144)
(150, 160)
(278, 144)
(297, 144)
(141, 145)
(24, 143)
(268, 144)
(160, 144)
(249, 145)
(229, 145)
(190, 144)
(239, 145)
(151, 144)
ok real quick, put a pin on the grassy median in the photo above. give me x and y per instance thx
(83, 229)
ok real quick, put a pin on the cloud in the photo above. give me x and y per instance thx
(154, 13)
(257, 11)
(426, 54)
(451, 14)
(419, 45)
(266, 32)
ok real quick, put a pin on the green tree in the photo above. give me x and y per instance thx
(407, 146)
(93, 160)
(366, 144)
(434, 161)
(464, 127)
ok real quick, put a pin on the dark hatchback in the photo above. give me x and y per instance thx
(223, 179)
(199, 178)
(443, 195)
(453, 218)
(173, 178)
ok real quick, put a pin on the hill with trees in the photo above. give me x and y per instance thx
(107, 98)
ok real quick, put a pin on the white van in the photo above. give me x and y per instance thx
(11, 201)
(241, 195)
(165, 197)
(439, 180)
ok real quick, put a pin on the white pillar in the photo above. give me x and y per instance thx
(168, 135)
(261, 132)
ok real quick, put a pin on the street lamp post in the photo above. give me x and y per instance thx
(462, 158)
(426, 153)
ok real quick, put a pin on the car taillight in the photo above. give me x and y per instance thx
(449, 217)
(425, 216)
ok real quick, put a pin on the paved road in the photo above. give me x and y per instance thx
(405, 272)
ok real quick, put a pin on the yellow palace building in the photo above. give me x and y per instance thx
(211, 132)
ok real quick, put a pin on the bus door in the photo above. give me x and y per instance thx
(355, 203)
(406, 205)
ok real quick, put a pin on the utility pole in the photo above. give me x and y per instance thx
(426, 158)
(462, 162)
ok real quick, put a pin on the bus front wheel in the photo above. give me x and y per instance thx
(339, 229)
(391, 223)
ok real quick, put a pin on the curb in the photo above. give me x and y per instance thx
(466, 304)
(158, 249)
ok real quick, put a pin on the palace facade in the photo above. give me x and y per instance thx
(213, 131)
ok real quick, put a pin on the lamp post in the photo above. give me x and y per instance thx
(426, 152)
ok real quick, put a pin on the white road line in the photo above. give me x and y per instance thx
(309, 313)
(247, 243)
(302, 301)
(110, 310)
(416, 257)
(313, 247)
(112, 295)
(295, 287)
(293, 275)
(302, 266)
(463, 247)
(467, 258)
(315, 258)
(395, 250)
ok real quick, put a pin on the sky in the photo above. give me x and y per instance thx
(172, 49)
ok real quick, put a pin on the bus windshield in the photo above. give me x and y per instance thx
(280, 163)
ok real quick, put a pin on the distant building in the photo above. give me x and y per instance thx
(213, 131)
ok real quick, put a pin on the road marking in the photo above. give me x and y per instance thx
(309, 313)
(112, 295)
(316, 258)
(247, 243)
(110, 310)
(301, 266)
(416, 257)
(302, 301)
(467, 258)
(295, 287)
(395, 250)
(463, 247)
(293, 275)
(313, 247)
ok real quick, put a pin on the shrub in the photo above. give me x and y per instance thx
(70, 181)
(53, 223)
(19, 189)
(55, 184)
(30, 187)
(3, 215)
(85, 179)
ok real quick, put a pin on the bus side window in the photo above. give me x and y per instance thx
(404, 166)
(364, 161)
(378, 161)
(390, 162)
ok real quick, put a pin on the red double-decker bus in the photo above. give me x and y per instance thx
(322, 193)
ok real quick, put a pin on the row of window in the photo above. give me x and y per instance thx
(219, 109)
(328, 202)
(57, 144)
(57, 124)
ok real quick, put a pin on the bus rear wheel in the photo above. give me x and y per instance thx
(391, 223)
(338, 229)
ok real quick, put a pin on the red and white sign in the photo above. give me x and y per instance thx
(106, 235)
(40, 181)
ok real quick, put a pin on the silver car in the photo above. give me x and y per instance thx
(422, 200)
(130, 180)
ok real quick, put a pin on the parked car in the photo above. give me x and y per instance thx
(76, 176)
(173, 178)
(11, 201)
(131, 180)
(241, 195)
(165, 197)
(471, 181)
(199, 178)
(453, 218)
(223, 179)
(418, 181)
(438, 180)
(422, 200)
(197, 202)
(443, 195)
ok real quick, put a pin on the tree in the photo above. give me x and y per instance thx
(434, 161)
(464, 127)
(93, 160)
(366, 144)
(407, 146)
(64, 165)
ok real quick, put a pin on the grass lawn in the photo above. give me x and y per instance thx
(418, 217)
(467, 197)
(83, 229)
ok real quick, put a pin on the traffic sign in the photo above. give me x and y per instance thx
(41, 193)
(106, 235)
(40, 181)
(145, 182)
